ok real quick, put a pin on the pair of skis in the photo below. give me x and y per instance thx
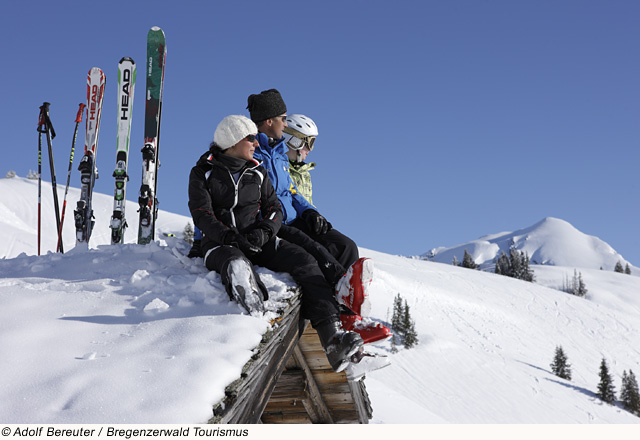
(156, 52)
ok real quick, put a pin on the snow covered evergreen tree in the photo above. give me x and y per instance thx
(454, 262)
(629, 394)
(606, 390)
(576, 286)
(503, 267)
(467, 261)
(619, 267)
(397, 319)
(627, 269)
(559, 366)
(515, 266)
(10, 175)
(188, 233)
(402, 324)
(410, 335)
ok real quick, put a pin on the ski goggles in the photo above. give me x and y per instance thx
(298, 140)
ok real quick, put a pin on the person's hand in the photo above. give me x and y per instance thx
(241, 242)
(257, 237)
(317, 223)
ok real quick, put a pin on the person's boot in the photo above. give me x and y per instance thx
(243, 287)
(352, 290)
(338, 344)
(369, 330)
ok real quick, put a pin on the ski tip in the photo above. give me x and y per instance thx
(155, 29)
(125, 59)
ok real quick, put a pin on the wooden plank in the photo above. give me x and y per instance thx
(316, 405)
(301, 417)
(338, 399)
(361, 400)
(292, 385)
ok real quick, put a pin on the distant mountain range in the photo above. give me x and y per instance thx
(551, 241)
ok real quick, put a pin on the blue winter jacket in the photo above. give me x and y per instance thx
(276, 162)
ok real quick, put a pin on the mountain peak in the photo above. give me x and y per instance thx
(551, 241)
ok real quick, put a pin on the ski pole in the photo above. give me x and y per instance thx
(66, 189)
(41, 129)
(51, 134)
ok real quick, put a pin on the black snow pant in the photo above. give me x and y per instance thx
(339, 245)
(318, 301)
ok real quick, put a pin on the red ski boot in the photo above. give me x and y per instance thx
(353, 288)
(353, 292)
(369, 331)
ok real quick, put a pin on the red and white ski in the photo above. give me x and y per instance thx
(89, 173)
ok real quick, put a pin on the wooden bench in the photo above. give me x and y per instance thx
(289, 380)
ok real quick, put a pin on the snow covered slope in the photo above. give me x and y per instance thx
(550, 242)
(19, 218)
(142, 334)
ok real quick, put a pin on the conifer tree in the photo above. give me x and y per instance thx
(394, 345)
(582, 289)
(559, 366)
(467, 261)
(627, 269)
(503, 267)
(629, 394)
(454, 262)
(410, 335)
(606, 390)
(188, 233)
(397, 319)
(618, 267)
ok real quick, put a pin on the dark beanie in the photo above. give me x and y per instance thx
(268, 104)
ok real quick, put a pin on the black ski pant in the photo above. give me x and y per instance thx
(339, 245)
(318, 300)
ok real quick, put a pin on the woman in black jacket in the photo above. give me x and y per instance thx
(233, 203)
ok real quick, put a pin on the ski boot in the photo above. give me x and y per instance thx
(338, 345)
(242, 286)
(363, 362)
(369, 330)
(352, 291)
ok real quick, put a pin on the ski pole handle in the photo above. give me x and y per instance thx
(42, 118)
(80, 113)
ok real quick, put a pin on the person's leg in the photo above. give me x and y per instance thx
(241, 282)
(329, 265)
(339, 245)
(318, 300)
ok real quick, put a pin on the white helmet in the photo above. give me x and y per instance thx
(300, 128)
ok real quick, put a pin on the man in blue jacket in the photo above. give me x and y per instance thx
(269, 112)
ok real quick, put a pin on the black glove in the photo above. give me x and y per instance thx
(234, 239)
(317, 223)
(258, 237)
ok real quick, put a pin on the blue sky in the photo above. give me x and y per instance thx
(440, 121)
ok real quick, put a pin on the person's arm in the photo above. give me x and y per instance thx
(201, 207)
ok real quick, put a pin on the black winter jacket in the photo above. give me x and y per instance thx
(218, 204)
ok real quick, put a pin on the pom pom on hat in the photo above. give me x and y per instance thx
(232, 130)
(268, 104)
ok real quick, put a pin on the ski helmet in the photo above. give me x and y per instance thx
(300, 130)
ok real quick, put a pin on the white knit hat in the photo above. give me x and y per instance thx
(232, 130)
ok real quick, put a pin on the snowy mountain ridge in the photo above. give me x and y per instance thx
(143, 334)
(551, 241)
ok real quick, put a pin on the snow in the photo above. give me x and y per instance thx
(142, 334)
